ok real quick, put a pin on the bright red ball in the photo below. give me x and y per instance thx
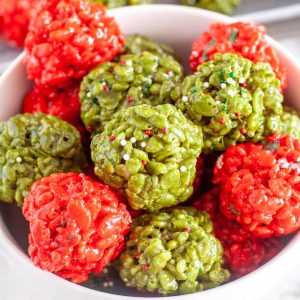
(14, 20)
(260, 185)
(67, 38)
(77, 225)
(243, 251)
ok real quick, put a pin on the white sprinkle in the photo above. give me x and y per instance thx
(183, 168)
(231, 92)
(129, 63)
(105, 270)
(170, 74)
(123, 143)
(185, 99)
(223, 85)
(244, 95)
(220, 163)
(105, 284)
(110, 283)
(89, 95)
(242, 80)
(230, 80)
(133, 140)
(126, 156)
(218, 102)
(194, 53)
(19, 159)
(206, 84)
(143, 144)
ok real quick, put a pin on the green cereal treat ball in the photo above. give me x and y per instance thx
(221, 6)
(233, 99)
(171, 252)
(137, 44)
(151, 152)
(33, 146)
(137, 79)
(118, 3)
(290, 122)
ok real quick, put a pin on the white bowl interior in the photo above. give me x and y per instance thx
(177, 26)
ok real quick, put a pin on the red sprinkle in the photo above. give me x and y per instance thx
(106, 87)
(144, 162)
(145, 267)
(187, 230)
(244, 85)
(237, 114)
(130, 99)
(148, 132)
(112, 138)
(164, 131)
(243, 131)
(222, 121)
(90, 128)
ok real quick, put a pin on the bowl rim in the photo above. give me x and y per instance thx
(9, 247)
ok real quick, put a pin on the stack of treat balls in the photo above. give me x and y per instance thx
(120, 161)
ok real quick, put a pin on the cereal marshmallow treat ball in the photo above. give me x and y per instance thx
(233, 99)
(151, 152)
(15, 16)
(144, 78)
(243, 251)
(246, 39)
(222, 6)
(77, 225)
(173, 251)
(260, 185)
(33, 146)
(68, 38)
(137, 44)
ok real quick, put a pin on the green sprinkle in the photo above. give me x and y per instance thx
(224, 100)
(224, 107)
(223, 81)
(231, 74)
(109, 85)
(233, 210)
(148, 85)
(233, 35)
(221, 74)
(272, 146)
(101, 80)
(194, 91)
(204, 56)
(93, 101)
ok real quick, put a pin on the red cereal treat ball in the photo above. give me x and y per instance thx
(77, 225)
(62, 103)
(260, 185)
(242, 38)
(68, 38)
(243, 251)
(14, 20)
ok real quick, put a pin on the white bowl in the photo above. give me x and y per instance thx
(177, 26)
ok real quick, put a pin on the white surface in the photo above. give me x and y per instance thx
(13, 287)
